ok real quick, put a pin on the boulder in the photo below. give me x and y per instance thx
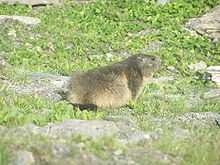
(207, 25)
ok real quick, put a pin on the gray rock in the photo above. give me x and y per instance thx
(129, 132)
(212, 94)
(218, 121)
(207, 24)
(153, 46)
(144, 32)
(68, 128)
(172, 69)
(82, 1)
(60, 151)
(3, 63)
(30, 21)
(181, 133)
(215, 74)
(125, 132)
(199, 119)
(162, 2)
(161, 79)
(44, 85)
(23, 158)
(151, 156)
(55, 80)
(200, 66)
(32, 2)
(93, 128)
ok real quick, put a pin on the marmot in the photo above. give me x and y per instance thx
(112, 86)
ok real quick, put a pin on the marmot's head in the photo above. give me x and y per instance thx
(148, 64)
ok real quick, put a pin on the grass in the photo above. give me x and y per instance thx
(80, 37)
(3, 155)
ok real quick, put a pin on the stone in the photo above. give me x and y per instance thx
(12, 33)
(23, 158)
(60, 150)
(207, 25)
(144, 32)
(181, 133)
(162, 2)
(161, 79)
(200, 66)
(82, 1)
(3, 63)
(199, 119)
(45, 85)
(56, 80)
(32, 2)
(212, 94)
(125, 132)
(218, 121)
(151, 156)
(214, 71)
(172, 69)
(67, 128)
(153, 46)
(29, 21)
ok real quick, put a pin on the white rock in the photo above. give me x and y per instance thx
(213, 93)
(31, 21)
(215, 74)
(23, 158)
(32, 2)
(162, 2)
(200, 66)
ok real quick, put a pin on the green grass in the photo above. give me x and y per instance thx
(3, 155)
(78, 37)
(196, 150)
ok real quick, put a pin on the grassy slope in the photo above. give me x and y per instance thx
(77, 37)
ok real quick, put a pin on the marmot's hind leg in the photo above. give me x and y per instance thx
(91, 107)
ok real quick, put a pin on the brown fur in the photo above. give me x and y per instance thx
(113, 85)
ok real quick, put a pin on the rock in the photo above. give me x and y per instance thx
(207, 24)
(55, 80)
(60, 151)
(215, 74)
(199, 119)
(201, 66)
(48, 86)
(85, 158)
(212, 94)
(144, 32)
(218, 121)
(161, 79)
(153, 46)
(23, 158)
(3, 63)
(30, 21)
(180, 133)
(125, 132)
(12, 33)
(151, 156)
(172, 69)
(82, 1)
(162, 2)
(32, 2)
(129, 132)
(93, 128)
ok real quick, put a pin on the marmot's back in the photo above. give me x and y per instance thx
(110, 86)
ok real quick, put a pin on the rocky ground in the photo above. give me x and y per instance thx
(118, 137)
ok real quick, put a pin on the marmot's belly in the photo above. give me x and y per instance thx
(112, 99)
(101, 97)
